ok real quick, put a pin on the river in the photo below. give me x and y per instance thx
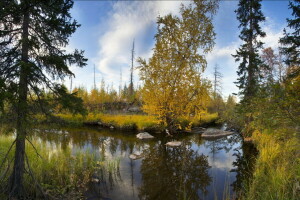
(199, 169)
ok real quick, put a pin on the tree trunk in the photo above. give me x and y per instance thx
(250, 66)
(16, 179)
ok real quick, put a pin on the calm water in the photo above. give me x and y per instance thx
(199, 169)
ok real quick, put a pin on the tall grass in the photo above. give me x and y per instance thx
(139, 122)
(205, 118)
(277, 170)
(61, 173)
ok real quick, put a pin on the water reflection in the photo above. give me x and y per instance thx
(200, 169)
(173, 173)
(244, 166)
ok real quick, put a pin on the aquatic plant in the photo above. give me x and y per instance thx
(60, 173)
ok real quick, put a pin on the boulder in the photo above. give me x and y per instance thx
(134, 109)
(198, 130)
(95, 180)
(248, 140)
(144, 135)
(215, 133)
(174, 144)
(135, 156)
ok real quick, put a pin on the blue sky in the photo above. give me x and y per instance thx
(108, 29)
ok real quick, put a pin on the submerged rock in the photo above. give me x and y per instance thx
(144, 135)
(174, 144)
(135, 156)
(198, 130)
(215, 133)
(95, 180)
(248, 139)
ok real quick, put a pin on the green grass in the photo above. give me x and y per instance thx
(61, 173)
(277, 169)
(128, 122)
(135, 122)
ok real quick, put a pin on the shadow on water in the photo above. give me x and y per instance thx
(199, 169)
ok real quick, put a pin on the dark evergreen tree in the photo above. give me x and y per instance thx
(33, 34)
(249, 14)
(291, 40)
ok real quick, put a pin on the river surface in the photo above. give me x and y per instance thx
(199, 169)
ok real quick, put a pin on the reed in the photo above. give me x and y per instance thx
(61, 173)
(277, 169)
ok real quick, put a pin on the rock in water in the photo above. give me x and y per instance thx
(174, 144)
(95, 180)
(215, 133)
(135, 156)
(144, 135)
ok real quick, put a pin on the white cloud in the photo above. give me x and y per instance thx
(274, 32)
(126, 22)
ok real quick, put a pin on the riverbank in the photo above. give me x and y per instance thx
(277, 168)
(125, 122)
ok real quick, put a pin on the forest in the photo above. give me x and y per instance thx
(172, 136)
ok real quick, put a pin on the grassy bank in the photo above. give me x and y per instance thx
(63, 174)
(132, 122)
(277, 169)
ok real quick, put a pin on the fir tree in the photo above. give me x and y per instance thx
(249, 14)
(33, 34)
(291, 40)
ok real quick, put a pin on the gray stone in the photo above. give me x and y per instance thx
(198, 130)
(215, 133)
(135, 156)
(95, 180)
(134, 109)
(144, 135)
(174, 144)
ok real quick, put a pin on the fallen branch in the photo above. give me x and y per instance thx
(36, 151)
(46, 196)
(5, 157)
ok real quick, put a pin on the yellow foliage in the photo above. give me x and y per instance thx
(141, 121)
(173, 87)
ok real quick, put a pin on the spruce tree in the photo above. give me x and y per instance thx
(291, 40)
(249, 14)
(33, 34)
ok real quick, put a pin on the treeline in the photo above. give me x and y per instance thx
(107, 99)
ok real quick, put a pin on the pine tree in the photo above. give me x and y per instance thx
(33, 34)
(291, 40)
(249, 14)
